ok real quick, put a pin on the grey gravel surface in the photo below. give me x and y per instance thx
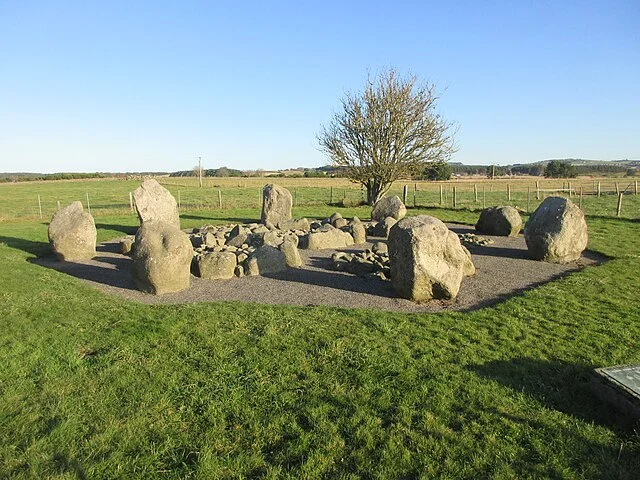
(503, 270)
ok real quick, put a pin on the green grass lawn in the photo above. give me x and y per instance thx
(92, 386)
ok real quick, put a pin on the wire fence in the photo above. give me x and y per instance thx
(610, 198)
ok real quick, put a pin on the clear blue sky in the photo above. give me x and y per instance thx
(134, 85)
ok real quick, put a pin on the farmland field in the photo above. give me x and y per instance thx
(93, 386)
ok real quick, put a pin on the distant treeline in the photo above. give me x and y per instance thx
(34, 177)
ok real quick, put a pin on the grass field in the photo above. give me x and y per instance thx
(96, 387)
(111, 197)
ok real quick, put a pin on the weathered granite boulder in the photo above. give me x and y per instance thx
(155, 203)
(276, 205)
(427, 259)
(340, 222)
(290, 249)
(388, 207)
(501, 221)
(126, 244)
(161, 258)
(266, 259)
(331, 238)
(72, 233)
(301, 224)
(358, 232)
(216, 265)
(556, 232)
(382, 229)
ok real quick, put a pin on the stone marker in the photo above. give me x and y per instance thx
(382, 229)
(427, 259)
(216, 265)
(290, 249)
(501, 221)
(155, 203)
(300, 224)
(388, 207)
(126, 244)
(72, 233)
(556, 232)
(331, 238)
(276, 205)
(266, 259)
(161, 258)
(620, 387)
(358, 232)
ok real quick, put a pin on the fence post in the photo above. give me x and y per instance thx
(40, 206)
(131, 201)
(220, 199)
(484, 197)
(441, 193)
(295, 197)
(570, 192)
(509, 191)
(598, 189)
(636, 188)
(331, 196)
(580, 197)
(537, 190)
(475, 192)
(528, 199)
(88, 204)
(415, 188)
(619, 208)
(58, 202)
(405, 191)
(617, 189)
(455, 199)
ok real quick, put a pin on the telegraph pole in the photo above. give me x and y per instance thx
(200, 171)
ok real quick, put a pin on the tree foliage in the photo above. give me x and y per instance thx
(437, 171)
(387, 132)
(557, 169)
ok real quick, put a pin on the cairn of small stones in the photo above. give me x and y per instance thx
(368, 263)
(473, 239)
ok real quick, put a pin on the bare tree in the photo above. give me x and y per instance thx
(387, 132)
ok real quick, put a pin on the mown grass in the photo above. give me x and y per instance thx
(92, 386)
(109, 197)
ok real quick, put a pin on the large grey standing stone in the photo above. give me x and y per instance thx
(427, 259)
(276, 205)
(388, 207)
(216, 265)
(155, 203)
(556, 232)
(266, 259)
(72, 233)
(501, 221)
(162, 256)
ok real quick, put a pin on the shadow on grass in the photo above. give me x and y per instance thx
(558, 385)
(39, 249)
(126, 229)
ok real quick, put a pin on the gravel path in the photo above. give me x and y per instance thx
(503, 270)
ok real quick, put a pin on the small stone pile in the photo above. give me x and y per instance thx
(473, 239)
(374, 262)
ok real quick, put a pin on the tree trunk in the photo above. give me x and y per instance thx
(374, 192)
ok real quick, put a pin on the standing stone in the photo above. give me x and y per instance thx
(216, 265)
(388, 207)
(501, 221)
(556, 232)
(266, 259)
(290, 249)
(155, 203)
(161, 258)
(427, 259)
(72, 233)
(126, 244)
(276, 205)
(358, 232)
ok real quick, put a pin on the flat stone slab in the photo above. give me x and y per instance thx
(620, 386)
